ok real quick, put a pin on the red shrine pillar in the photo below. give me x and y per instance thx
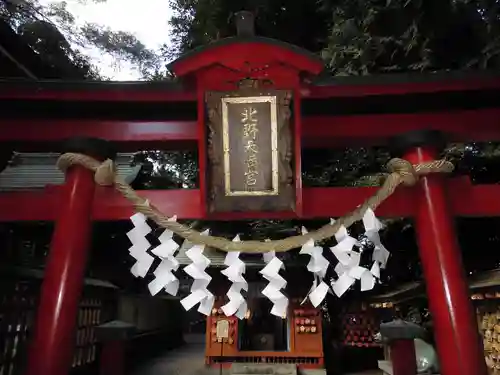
(455, 327)
(53, 341)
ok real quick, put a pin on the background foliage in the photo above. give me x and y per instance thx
(354, 37)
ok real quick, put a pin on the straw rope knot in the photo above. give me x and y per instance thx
(404, 169)
(401, 171)
(104, 173)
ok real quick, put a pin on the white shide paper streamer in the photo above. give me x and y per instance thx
(318, 265)
(273, 289)
(348, 268)
(199, 292)
(140, 245)
(164, 277)
(234, 272)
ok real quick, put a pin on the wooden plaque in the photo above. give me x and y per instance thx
(222, 330)
(250, 151)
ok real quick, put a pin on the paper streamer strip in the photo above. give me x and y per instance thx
(348, 260)
(234, 272)
(318, 265)
(164, 277)
(273, 289)
(380, 253)
(348, 268)
(140, 245)
(372, 228)
(199, 292)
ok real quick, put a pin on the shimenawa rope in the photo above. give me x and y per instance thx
(400, 172)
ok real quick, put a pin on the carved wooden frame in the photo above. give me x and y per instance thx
(217, 200)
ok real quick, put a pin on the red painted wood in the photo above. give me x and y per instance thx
(110, 205)
(467, 126)
(238, 56)
(54, 336)
(346, 90)
(234, 62)
(202, 154)
(282, 76)
(139, 92)
(403, 358)
(317, 131)
(455, 327)
(113, 93)
(317, 202)
(119, 131)
(112, 359)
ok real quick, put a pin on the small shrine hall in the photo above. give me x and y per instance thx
(248, 108)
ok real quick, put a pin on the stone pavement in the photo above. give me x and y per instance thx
(189, 360)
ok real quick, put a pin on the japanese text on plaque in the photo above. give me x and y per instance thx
(250, 130)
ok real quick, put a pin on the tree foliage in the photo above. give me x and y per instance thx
(199, 22)
(52, 31)
(401, 35)
(354, 37)
(44, 37)
(357, 37)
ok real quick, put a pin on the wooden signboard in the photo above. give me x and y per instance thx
(250, 151)
(222, 329)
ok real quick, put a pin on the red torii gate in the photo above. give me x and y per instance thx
(63, 110)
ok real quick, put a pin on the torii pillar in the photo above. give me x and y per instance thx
(53, 341)
(455, 328)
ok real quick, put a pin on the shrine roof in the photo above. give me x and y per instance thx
(246, 40)
(210, 54)
(28, 171)
(412, 290)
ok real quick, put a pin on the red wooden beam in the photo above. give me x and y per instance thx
(118, 131)
(346, 87)
(98, 92)
(391, 84)
(467, 126)
(317, 131)
(466, 200)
